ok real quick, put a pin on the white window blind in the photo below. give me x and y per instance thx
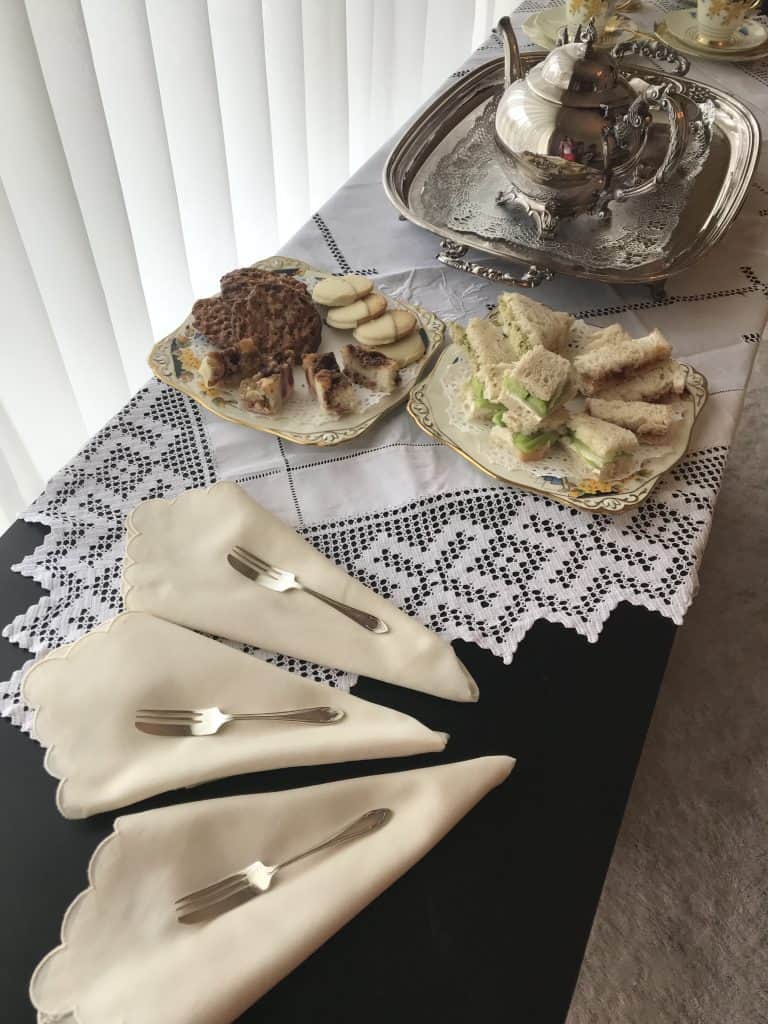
(147, 146)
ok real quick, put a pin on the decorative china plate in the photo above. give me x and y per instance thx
(174, 360)
(433, 405)
(542, 27)
(664, 33)
(683, 25)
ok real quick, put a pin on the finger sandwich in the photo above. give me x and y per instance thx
(527, 324)
(529, 437)
(606, 452)
(651, 385)
(606, 365)
(651, 423)
(541, 380)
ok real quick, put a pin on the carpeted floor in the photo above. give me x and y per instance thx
(681, 933)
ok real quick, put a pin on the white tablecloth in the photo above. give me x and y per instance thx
(469, 558)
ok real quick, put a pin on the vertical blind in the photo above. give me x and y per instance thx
(147, 146)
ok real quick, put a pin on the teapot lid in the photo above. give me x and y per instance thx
(577, 75)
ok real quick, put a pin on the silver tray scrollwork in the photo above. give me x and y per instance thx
(622, 251)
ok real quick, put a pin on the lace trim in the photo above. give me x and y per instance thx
(480, 565)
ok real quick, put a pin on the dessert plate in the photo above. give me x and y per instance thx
(683, 25)
(435, 405)
(662, 32)
(175, 359)
(542, 28)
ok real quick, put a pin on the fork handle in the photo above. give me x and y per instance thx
(369, 622)
(316, 715)
(362, 826)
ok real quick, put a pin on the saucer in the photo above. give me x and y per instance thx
(662, 32)
(684, 27)
(542, 27)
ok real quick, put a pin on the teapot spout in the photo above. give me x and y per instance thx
(513, 68)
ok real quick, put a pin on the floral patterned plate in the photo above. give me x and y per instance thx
(175, 360)
(435, 404)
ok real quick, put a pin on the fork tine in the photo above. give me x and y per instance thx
(169, 713)
(255, 562)
(168, 720)
(212, 908)
(249, 556)
(214, 889)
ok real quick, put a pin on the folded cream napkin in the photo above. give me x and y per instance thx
(86, 696)
(124, 957)
(176, 567)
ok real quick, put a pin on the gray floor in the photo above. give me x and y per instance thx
(681, 934)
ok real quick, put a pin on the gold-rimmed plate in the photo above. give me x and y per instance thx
(433, 405)
(175, 358)
(684, 26)
(542, 28)
(662, 32)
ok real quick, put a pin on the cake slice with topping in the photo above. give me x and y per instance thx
(266, 393)
(334, 392)
(314, 361)
(369, 369)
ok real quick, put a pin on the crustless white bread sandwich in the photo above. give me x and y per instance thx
(606, 365)
(528, 436)
(651, 423)
(606, 451)
(527, 324)
(541, 381)
(657, 383)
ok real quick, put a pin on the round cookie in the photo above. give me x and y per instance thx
(397, 323)
(405, 350)
(346, 318)
(340, 291)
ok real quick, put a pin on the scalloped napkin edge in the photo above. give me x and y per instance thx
(125, 957)
(175, 567)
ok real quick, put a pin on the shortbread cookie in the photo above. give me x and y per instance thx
(404, 351)
(346, 318)
(340, 291)
(397, 323)
(372, 370)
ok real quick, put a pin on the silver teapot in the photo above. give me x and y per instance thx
(571, 134)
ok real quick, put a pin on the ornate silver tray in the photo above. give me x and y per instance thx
(712, 198)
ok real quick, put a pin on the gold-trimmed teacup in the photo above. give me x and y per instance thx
(579, 12)
(718, 21)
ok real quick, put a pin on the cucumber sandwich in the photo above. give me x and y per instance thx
(605, 451)
(541, 381)
(527, 324)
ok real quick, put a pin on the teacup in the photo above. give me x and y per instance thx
(579, 12)
(718, 21)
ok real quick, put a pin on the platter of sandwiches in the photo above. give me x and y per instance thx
(294, 351)
(587, 416)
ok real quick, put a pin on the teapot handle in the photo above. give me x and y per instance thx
(653, 49)
(513, 67)
(665, 97)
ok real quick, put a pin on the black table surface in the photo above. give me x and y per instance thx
(492, 924)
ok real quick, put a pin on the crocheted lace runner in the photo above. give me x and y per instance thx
(479, 564)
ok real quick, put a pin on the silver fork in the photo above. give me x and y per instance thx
(256, 878)
(269, 576)
(208, 721)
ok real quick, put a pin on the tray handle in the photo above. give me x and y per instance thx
(452, 255)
